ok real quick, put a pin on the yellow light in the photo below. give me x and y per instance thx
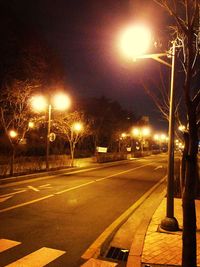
(31, 124)
(123, 135)
(156, 137)
(135, 41)
(163, 137)
(181, 128)
(145, 131)
(13, 133)
(61, 101)
(135, 131)
(39, 103)
(77, 126)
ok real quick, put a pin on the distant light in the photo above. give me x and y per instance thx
(123, 135)
(136, 131)
(163, 136)
(13, 133)
(77, 126)
(31, 124)
(145, 131)
(156, 137)
(182, 128)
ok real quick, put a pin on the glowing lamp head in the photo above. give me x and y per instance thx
(13, 133)
(135, 132)
(123, 135)
(61, 101)
(39, 103)
(146, 131)
(77, 126)
(135, 41)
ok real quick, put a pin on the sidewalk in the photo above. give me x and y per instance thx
(162, 248)
(140, 236)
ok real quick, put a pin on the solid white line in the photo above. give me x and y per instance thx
(39, 258)
(6, 244)
(71, 188)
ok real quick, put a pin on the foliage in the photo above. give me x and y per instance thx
(108, 119)
(65, 126)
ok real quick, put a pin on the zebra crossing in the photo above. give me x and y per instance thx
(38, 258)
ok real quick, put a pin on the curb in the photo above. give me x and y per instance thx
(103, 240)
(135, 253)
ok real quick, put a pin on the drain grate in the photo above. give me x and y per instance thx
(118, 254)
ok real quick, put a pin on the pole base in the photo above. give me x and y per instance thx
(169, 224)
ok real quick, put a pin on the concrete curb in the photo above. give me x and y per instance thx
(135, 253)
(103, 240)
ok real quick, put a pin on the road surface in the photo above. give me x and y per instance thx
(52, 221)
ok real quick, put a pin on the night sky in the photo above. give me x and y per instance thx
(84, 35)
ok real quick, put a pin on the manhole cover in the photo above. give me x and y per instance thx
(118, 254)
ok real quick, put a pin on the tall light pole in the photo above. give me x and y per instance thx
(48, 136)
(39, 103)
(169, 223)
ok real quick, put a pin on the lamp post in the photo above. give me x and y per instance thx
(169, 222)
(141, 133)
(39, 103)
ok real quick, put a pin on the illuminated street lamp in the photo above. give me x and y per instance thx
(169, 223)
(13, 134)
(141, 133)
(77, 127)
(40, 104)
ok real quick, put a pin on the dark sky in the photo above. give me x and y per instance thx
(84, 34)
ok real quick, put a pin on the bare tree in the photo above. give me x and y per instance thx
(15, 113)
(72, 127)
(185, 14)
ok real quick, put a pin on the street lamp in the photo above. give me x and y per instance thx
(13, 134)
(169, 223)
(40, 103)
(141, 133)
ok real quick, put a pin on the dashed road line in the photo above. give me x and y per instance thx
(70, 189)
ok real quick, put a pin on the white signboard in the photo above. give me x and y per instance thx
(101, 149)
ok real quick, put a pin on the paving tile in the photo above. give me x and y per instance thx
(166, 248)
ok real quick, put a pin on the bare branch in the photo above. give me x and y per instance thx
(196, 99)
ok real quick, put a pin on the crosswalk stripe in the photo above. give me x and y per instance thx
(6, 244)
(39, 258)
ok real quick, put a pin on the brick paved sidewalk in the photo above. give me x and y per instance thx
(164, 249)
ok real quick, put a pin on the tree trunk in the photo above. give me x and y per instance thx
(12, 161)
(189, 213)
(183, 162)
(72, 148)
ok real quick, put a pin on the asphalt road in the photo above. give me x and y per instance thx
(52, 222)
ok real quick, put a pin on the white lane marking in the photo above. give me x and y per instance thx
(159, 167)
(25, 203)
(70, 189)
(12, 194)
(2, 199)
(33, 188)
(6, 244)
(46, 186)
(38, 258)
